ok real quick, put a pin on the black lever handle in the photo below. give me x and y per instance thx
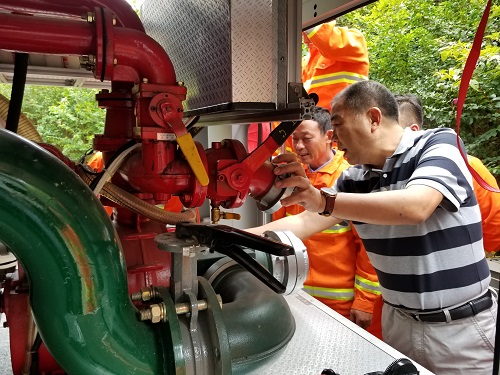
(230, 241)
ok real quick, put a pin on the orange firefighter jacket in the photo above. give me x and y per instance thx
(338, 56)
(489, 204)
(340, 273)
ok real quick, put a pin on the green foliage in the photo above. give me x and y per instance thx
(65, 117)
(415, 46)
(420, 47)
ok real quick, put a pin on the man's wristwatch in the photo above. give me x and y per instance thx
(330, 201)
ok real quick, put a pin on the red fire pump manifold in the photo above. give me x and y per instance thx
(95, 296)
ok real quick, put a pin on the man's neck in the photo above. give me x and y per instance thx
(325, 159)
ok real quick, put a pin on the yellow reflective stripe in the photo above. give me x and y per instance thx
(330, 293)
(338, 74)
(312, 31)
(330, 80)
(366, 285)
(333, 82)
(333, 230)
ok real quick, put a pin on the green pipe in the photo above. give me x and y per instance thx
(65, 242)
(258, 321)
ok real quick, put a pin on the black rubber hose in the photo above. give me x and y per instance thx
(34, 354)
(17, 94)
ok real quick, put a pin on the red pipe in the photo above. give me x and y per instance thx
(68, 37)
(46, 35)
(136, 49)
(122, 10)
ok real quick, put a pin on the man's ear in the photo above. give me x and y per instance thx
(329, 136)
(375, 117)
(414, 127)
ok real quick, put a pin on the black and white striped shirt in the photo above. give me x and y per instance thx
(441, 262)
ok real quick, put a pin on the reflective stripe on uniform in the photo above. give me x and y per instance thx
(311, 32)
(366, 285)
(330, 293)
(333, 78)
(341, 227)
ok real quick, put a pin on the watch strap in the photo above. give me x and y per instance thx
(330, 202)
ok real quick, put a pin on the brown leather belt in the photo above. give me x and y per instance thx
(468, 309)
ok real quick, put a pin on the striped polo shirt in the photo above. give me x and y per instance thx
(438, 263)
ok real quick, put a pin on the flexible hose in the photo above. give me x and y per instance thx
(130, 201)
(26, 128)
(111, 170)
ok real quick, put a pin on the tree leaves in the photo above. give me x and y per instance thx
(65, 117)
(420, 47)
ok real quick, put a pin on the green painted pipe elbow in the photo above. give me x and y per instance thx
(258, 321)
(66, 244)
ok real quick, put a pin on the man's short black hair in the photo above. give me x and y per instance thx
(411, 103)
(322, 116)
(361, 96)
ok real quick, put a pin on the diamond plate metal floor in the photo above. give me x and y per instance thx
(325, 339)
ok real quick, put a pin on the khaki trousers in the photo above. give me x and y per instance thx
(463, 346)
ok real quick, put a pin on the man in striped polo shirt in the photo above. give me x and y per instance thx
(411, 200)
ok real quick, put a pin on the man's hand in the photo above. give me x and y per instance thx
(304, 193)
(361, 318)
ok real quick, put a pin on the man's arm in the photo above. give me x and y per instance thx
(409, 206)
(303, 225)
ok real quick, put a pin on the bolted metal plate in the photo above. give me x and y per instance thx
(223, 50)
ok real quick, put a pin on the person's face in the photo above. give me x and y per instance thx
(310, 144)
(351, 131)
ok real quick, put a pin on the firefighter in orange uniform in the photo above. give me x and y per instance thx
(489, 204)
(340, 274)
(337, 56)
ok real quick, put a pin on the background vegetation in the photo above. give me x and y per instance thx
(65, 117)
(415, 46)
(421, 46)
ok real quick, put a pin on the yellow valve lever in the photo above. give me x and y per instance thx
(190, 151)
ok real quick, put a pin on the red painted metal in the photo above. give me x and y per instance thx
(132, 48)
(52, 36)
(146, 264)
(136, 49)
(17, 314)
(122, 10)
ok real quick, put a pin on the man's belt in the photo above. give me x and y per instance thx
(466, 310)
